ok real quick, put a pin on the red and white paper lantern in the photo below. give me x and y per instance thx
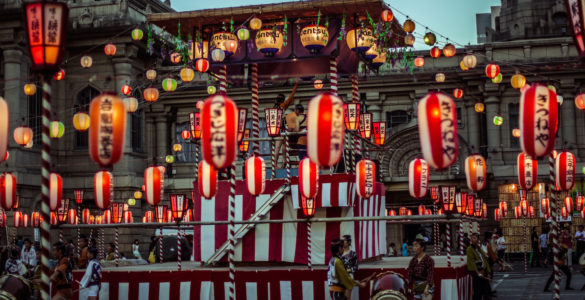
(255, 175)
(7, 190)
(527, 171)
(437, 128)
(103, 189)
(308, 178)
(545, 206)
(538, 120)
(579, 203)
(54, 218)
(107, 217)
(148, 217)
(365, 178)
(325, 129)
(4, 128)
(565, 171)
(154, 182)
(564, 213)
(107, 114)
(17, 219)
(497, 215)
(219, 132)
(492, 70)
(207, 180)
(517, 212)
(202, 65)
(55, 190)
(504, 208)
(422, 210)
(72, 216)
(418, 178)
(569, 203)
(128, 219)
(86, 216)
(35, 219)
(475, 172)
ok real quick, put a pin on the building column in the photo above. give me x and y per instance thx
(149, 140)
(494, 135)
(567, 119)
(13, 87)
(472, 127)
(123, 75)
(161, 139)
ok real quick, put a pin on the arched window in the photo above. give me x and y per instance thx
(82, 104)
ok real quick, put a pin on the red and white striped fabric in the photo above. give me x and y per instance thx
(4, 128)
(54, 219)
(154, 183)
(107, 113)
(365, 178)
(206, 180)
(255, 175)
(219, 132)
(437, 128)
(565, 171)
(7, 191)
(202, 65)
(72, 216)
(418, 178)
(475, 172)
(492, 70)
(148, 217)
(103, 188)
(55, 190)
(86, 216)
(107, 217)
(527, 171)
(35, 219)
(538, 120)
(288, 242)
(17, 219)
(325, 129)
(308, 178)
(128, 217)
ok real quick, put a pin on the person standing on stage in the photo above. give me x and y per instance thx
(478, 267)
(420, 271)
(92, 279)
(282, 104)
(405, 247)
(338, 279)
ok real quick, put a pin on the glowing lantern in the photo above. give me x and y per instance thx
(15, 205)
(365, 178)
(131, 104)
(150, 94)
(365, 125)
(497, 215)
(269, 41)
(408, 26)
(81, 121)
(470, 61)
(169, 84)
(421, 210)
(440, 77)
(504, 208)
(46, 26)
(231, 46)
(188, 216)
(580, 101)
(195, 124)
(565, 171)
(55, 190)
(379, 132)
(56, 129)
(308, 206)
(461, 202)
(103, 184)
(308, 178)
(579, 203)
(403, 211)
(360, 41)
(207, 180)
(325, 130)
(202, 65)
(187, 74)
(7, 191)
(177, 147)
(430, 38)
(199, 50)
(17, 219)
(351, 115)
(409, 39)
(492, 70)
(545, 205)
(128, 219)
(59, 75)
(137, 34)
(179, 205)
(30, 89)
(108, 128)
(126, 89)
(448, 197)
(242, 118)
(437, 125)
(72, 216)
(457, 93)
(479, 107)
(419, 61)
(518, 81)
(23, 135)
(387, 15)
(255, 23)
(186, 135)
(569, 204)
(110, 49)
(220, 41)
(154, 181)
(314, 38)
(221, 113)
(435, 193)
(86, 61)
(418, 178)
(462, 66)
(176, 57)
(564, 213)
(86, 216)
(54, 219)
(318, 84)
(538, 106)
(391, 213)
(4, 129)
(449, 50)
(255, 175)
(527, 171)
(435, 52)
(35, 218)
(524, 207)
(148, 217)
(243, 34)
(516, 132)
(217, 55)
(475, 172)
(169, 159)
(211, 90)
(273, 117)
(151, 74)
(498, 79)
(498, 120)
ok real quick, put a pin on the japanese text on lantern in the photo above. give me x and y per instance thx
(337, 126)
(528, 171)
(424, 173)
(217, 128)
(106, 128)
(448, 129)
(570, 169)
(365, 123)
(479, 168)
(242, 120)
(52, 17)
(34, 24)
(541, 127)
(369, 177)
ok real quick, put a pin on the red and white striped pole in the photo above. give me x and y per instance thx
(255, 104)
(286, 155)
(448, 235)
(179, 257)
(78, 231)
(45, 170)
(555, 227)
(333, 75)
(273, 160)
(160, 246)
(103, 241)
(117, 250)
(61, 240)
(232, 216)
(435, 232)
(355, 97)
(90, 238)
(223, 79)
(461, 250)
(524, 246)
(309, 253)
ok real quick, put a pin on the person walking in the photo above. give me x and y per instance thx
(489, 250)
(420, 271)
(580, 239)
(567, 241)
(501, 248)
(62, 274)
(338, 279)
(478, 267)
(405, 247)
(563, 266)
(350, 262)
(543, 243)
(92, 279)
(534, 239)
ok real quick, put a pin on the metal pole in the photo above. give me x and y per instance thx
(448, 235)
(116, 250)
(179, 257)
(232, 216)
(524, 245)
(554, 233)
(45, 170)
(309, 253)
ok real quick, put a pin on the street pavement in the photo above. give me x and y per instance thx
(516, 284)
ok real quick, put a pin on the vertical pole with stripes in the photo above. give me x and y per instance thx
(160, 246)
(116, 248)
(179, 256)
(448, 236)
(232, 216)
(255, 119)
(461, 250)
(223, 79)
(273, 160)
(196, 142)
(524, 247)
(45, 170)
(555, 227)
(333, 75)
(78, 230)
(103, 241)
(286, 155)
(309, 252)
(435, 232)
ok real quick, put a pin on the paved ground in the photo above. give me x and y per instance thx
(519, 285)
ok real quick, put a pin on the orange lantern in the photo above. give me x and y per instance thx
(449, 50)
(475, 172)
(579, 203)
(403, 211)
(569, 204)
(110, 49)
(7, 191)
(564, 213)
(150, 94)
(435, 52)
(408, 26)
(379, 132)
(419, 61)
(35, 217)
(59, 75)
(107, 114)
(351, 115)
(308, 206)
(23, 135)
(497, 215)
(457, 93)
(545, 205)
(580, 101)
(46, 26)
(387, 15)
(176, 57)
(461, 202)
(126, 89)
(422, 210)
(195, 125)
(318, 84)
(86, 216)
(524, 207)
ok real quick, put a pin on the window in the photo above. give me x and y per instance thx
(513, 116)
(82, 104)
(397, 117)
(136, 124)
(35, 116)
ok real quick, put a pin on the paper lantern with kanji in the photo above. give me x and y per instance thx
(365, 125)
(72, 216)
(255, 175)
(103, 189)
(81, 121)
(475, 172)
(437, 128)
(457, 93)
(219, 135)
(419, 61)
(538, 120)
(4, 128)
(131, 104)
(447, 195)
(325, 129)
(308, 178)
(55, 190)
(108, 128)
(23, 135)
(435, 52)
(207, 180)
(379, 129)
(492, 70)
(569, 203)
(35, 219)
(527, 171)
(86, 216)
(195, 125)
(360, 41)
(86, 61)
(7, 190)
(154, 182)
(418, 178)
(273, 117)
(351, 115)
(365, 178)
(470, 204)
(579, 203)
(126, 89)
(202, 65)
(565, 171)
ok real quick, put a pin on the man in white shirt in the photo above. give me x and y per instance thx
(580, 238)
(28, 255)
(543, 241)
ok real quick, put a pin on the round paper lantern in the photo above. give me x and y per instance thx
(325, 129)
(421, 210)
(187, 74)
(579, 203)
(308, 178)
(387, 15)
(255, 23)
(86, 61)
(30, 89)
(365, 178)
(55, 190)
(54, 219)
(59, 75)
(408, 26)
(518, 81)
(107, 130)
(569, 203)
(391, 213)
(150, 94)
(219, 40)
(430, 38)
(219, 136)
(243, 34)
(169, 84)
(498, 120)
(126, 89)
(35, 219)
(314, 38)
(437, 127)
(504, 208)
(148, 217)
(103, 188)
(497, 215)
(492, 70)
(580, 101)
(498, 79)
(137, 34)
(231, 46)
(177, 147)
(154, 181)
(360, 41)
(72, 216)
(516, 132)
(538, 120)
(470, 61)
(202, 65)
(110, 49)
(318, 84)
(419, 61)
(56, 129)
(169, 159)
(17, 219)
(439, 77)
(131, 104)
(7, 191)
(449, 50)
(128, 219)
(81, 121)
(23, 135)
(217, 55)
(475, 172)
(86, 216)
(527, 171)
(269, 41)
(409, 39)
(206, 180)
(176, 57)
(435, 52)
(457, 93)
(131, 201)
(564, 213)
(151, 74)
(255, 175)
(565, 171)
(418, 178)
(463, 66)
(517, 212)
(186, 135)
(211, 90)
(4, 129)
(107, 217)
(479, 107)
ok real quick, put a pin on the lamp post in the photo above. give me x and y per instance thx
(160, 214)
(117, 216)
(179, 204)
(46, 26)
